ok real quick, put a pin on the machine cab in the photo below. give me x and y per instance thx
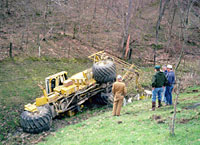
(55, 80)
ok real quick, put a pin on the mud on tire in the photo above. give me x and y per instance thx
(36, 122)
(104, 99)
(104, 71)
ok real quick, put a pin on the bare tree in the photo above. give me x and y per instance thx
(184, 26)
(161, 13)
(95, 9)
(126, 26)
(175, 104)
(171, 25)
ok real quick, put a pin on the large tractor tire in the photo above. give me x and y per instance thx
(104, 99)
(36, 122)
(104, 71)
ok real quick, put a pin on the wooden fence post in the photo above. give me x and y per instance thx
(69, 50)
(10, 51)
(38, 43)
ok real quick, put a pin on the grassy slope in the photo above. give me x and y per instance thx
(137, 126)
(18, 85)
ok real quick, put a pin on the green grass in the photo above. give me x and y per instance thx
(137, 126)
(18, 84)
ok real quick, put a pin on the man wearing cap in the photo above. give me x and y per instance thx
(159, 80)
(170, 85)
(164, 68)
(119, 91)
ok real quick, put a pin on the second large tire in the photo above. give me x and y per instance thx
(36, 122)
(104, 71)
(104, 99)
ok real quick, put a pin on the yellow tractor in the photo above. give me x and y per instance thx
(63, 94)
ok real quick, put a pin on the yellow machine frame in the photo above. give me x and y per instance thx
(80, 82)
(129, 68)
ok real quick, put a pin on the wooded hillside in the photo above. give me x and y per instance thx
(39, 38)
(53, 28)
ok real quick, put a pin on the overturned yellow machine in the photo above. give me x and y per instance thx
(63, 94)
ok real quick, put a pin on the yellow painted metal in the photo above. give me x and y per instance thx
(80, 81)
(58, 89)
(43, 89)
(58, 74)
(45, 93)
(91, 82)
(30, 107)
(70, 113)
(97, 56)
(58, 77)
(129, 68)
(69, 90)
(67, 83)
(53, 97)
(127, 72)
(41, 101)
(142, 97)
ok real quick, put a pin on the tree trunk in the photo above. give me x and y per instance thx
(22, 41)
(69, 51)
(107, 11)
(171, 26)
(184, 25)
(161, 13)
(38, 43)
(175, 103)
(27, 38)
(74, 31)
(10, 51)
(95, 10)
(128, 19)
(180, 57)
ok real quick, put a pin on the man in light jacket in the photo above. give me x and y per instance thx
(164, 67)
(170, 85)
(119, 91)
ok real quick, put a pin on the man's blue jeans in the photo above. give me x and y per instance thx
(163, 95)
(168, 94)
(155, 92)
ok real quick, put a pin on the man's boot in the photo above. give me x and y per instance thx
(153, 106)
(159, 104)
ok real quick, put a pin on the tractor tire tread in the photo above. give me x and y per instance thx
(36, 123)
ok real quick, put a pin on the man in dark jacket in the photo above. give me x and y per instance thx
(170, 85)
(159, 80)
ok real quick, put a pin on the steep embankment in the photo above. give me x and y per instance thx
(137, 125)
(18, 85)
(69, 31)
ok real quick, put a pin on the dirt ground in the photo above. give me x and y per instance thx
(20, 137)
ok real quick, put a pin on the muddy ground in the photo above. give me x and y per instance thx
(20, 137)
